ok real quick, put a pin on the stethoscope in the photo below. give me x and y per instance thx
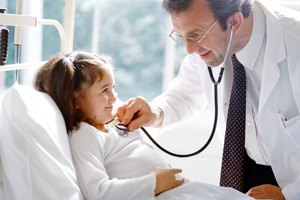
(122, 129)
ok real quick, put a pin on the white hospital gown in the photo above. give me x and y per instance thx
(114, 167)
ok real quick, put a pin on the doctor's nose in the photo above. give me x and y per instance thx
(191, 47)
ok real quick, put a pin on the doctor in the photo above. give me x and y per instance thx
(266, 41)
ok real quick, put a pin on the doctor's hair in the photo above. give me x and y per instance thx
(66, 73)
(222, 9)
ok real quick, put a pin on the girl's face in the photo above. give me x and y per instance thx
(98, 101)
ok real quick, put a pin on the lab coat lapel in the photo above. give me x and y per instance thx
(274, 54)
(270, 77)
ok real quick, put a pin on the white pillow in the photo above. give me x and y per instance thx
(34, 148)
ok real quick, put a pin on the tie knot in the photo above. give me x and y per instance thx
(238, 68)
(235, 61)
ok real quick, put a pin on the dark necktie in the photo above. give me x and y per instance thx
(232, 171)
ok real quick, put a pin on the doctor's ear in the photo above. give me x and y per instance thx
(231, 25)
(235, 21)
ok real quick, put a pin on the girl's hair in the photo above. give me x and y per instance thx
(65, 74)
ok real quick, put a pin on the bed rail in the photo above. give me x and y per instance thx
(66, 32)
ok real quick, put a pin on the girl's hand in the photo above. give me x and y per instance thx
(166, 180)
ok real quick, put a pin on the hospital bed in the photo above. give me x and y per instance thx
(35, 159)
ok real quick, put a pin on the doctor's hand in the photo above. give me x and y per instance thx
(137, 112)
(266, 191)
(166, 180)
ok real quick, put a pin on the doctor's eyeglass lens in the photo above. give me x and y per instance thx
(195, 38)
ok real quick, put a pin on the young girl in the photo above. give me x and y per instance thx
(82, 85)
(110, 166)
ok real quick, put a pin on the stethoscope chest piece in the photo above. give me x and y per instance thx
(121, 129)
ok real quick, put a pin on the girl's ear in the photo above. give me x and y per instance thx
(76, 97)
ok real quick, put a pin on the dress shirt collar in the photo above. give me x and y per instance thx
(254, 45)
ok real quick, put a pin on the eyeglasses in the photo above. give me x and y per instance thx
(195, 40)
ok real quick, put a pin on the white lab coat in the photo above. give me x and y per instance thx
(278, 117)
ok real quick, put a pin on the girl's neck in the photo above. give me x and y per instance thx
(102, 127)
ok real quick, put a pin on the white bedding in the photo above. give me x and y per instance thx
(202, 191)
(109, 165)
(36, 163)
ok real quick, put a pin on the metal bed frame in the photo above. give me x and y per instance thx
(18, 20)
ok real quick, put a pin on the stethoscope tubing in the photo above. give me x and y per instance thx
(210, 137)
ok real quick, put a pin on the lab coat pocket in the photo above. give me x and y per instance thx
(292, 127)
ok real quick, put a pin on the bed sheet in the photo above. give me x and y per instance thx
(202, 191)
